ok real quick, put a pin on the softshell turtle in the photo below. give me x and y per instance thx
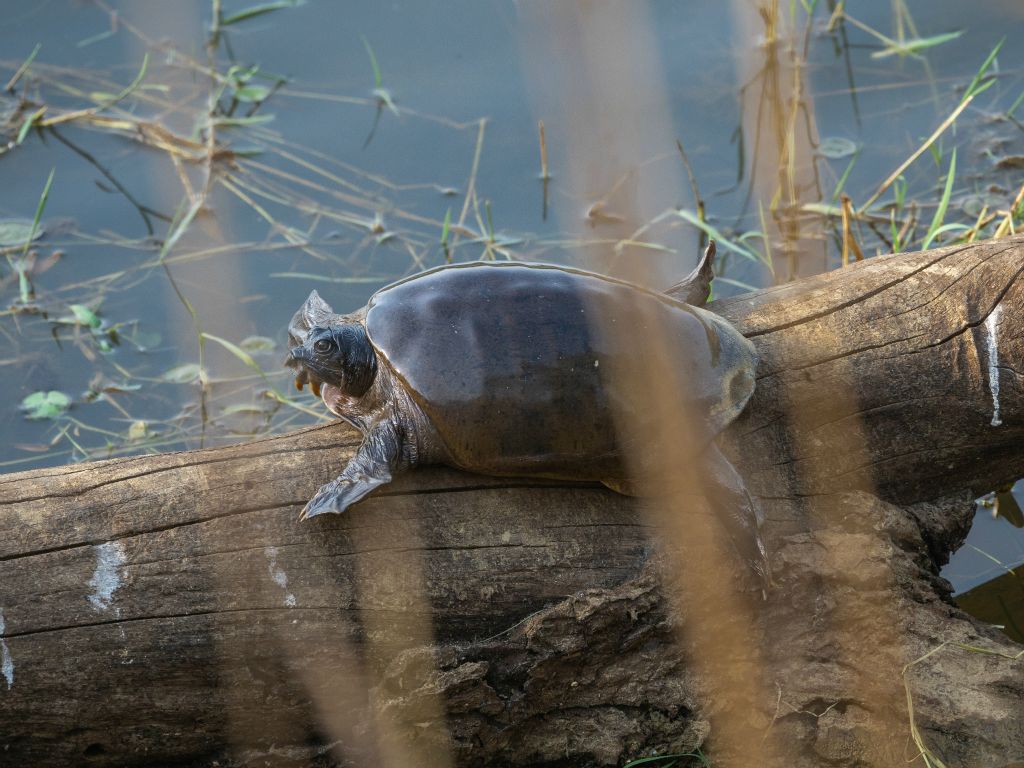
(500, 368)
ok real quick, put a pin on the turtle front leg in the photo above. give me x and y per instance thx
(743, 516)
(379, 456)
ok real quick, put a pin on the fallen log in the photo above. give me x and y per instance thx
(169, 610)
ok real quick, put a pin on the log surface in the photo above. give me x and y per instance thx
(169, 610)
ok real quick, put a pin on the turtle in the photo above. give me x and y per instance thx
(500, 368)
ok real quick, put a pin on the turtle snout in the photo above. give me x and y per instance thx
(298, 353)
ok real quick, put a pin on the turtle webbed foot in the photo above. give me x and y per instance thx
(370, 468)
(341, 493)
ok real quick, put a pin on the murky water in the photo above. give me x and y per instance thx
(343, 179)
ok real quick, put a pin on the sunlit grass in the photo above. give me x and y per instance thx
(676, 760)
(924, 752)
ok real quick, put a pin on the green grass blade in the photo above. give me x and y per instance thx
(940, 212)
(246, 358)
(736, 283)
(377, 79)
(27, 124)
(915, 46)
(445, 229)
(657, 761)
(717, 236)
(951, 227)
(230, 122)
(131, 86)
(258, 10)
(237, 351)
(842, 179)
(178, 227)
(1013, 107)
(23, 68)
(39, 212)
(976, 86)
(24, 284)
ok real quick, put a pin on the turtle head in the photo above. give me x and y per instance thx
(314, 311)
(339, 355)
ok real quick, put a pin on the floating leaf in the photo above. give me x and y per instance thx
(973, 205)
(251, 93)
(1010, 163)
(183, 374)
(257, 344)
(33, 447)
(45, 405)
(836, 147)
(85, 316)
(17, 232)
(146, 340)
(138, 430)
(246, 408)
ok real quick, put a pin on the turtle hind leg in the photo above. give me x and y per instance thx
(622, 486)
(741, 513)
(378, 458)
(695, 288)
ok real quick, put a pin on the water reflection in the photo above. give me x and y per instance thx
(999, 602)
(986, 571)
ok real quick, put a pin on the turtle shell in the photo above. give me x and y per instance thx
(524, 368)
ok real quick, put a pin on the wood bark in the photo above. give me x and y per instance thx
(170, 610)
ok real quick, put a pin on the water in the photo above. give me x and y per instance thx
(986, 572)
(343, 193)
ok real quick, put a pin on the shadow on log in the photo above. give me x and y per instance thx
(169, 610)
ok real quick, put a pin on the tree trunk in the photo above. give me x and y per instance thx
(170, 610)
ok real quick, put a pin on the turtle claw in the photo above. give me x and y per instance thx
(329, 500)
(309, 511)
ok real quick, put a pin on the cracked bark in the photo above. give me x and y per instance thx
(481, 621)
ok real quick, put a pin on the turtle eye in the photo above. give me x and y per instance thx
(323, 345)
